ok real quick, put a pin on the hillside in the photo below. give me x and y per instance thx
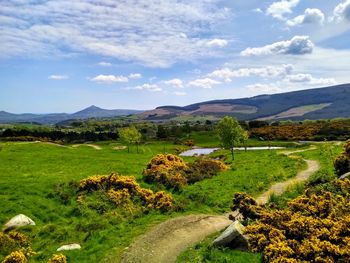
(321, 103)
(90, 112)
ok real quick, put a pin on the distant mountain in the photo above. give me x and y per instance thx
(321, 103)
(90, 112)
(313, 104)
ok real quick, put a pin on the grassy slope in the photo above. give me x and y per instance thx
(204, 252)
(29, 172)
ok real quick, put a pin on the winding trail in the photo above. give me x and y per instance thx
(96, 147)
(165, 242)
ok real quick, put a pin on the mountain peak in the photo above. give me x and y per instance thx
(93, 107)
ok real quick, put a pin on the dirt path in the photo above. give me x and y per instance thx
(96, 147)
(164, 242)
(279, 188)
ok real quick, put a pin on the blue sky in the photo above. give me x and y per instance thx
(64, 55)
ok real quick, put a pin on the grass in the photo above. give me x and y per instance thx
(205, 252)
(29, 173)
(210, 139)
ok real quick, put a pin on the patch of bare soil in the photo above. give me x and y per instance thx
(166, 241)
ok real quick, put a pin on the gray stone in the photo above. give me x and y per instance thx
(69, 247)
(233, 236)
(18, 221)
(346, 175)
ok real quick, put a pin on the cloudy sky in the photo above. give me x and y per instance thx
(64, 55)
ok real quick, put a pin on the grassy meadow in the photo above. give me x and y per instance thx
(35, 176)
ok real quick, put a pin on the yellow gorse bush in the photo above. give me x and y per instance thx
(19, 256)
(124, 190)
(58, 258)
(15, 257)
(172, 171)
(314, 228)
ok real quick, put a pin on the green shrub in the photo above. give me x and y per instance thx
(342, 162)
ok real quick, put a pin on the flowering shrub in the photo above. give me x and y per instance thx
(15, 257)
(19, 256)
(59, 258)
(125, 191)
(204, 168)
(342, 162)
(189, 143)
(12, 241)
(172, 172)
(314, 228)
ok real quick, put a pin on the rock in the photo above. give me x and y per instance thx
(233, 237)
(346, 175)
(18, 221)
(69, 247)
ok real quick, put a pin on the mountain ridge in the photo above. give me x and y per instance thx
(319, 103)
(53, 118)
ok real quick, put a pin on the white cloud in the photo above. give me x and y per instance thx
(279, 9)
(135, 76)
(310, 16)
(298, 45)
(104, 64)
(264, 72)
(158, 34)
(263, 88)
(180, 93)
(177, 83)
(342, 12)
(205, 83)
(148, 87)
(216, 42)
(257, 10)
(109, 79)
(58, 77)
(309, 79)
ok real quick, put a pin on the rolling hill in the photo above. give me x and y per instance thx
(313, 104)
(321, 103)
(90, 112)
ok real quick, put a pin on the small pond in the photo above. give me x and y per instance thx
(206, 151)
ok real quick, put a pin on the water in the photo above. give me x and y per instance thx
(206, 151)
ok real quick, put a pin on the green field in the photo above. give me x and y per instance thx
(31, 172)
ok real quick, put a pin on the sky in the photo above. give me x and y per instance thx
(65, 55)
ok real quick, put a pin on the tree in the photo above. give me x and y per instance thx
(230, 133)
(130, 135)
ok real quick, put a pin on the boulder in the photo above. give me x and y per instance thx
(233, 237)
(346, 175)
(69, 247)
(18, 221)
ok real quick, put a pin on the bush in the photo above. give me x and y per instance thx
(171, 171)
(13, 241)
(167, 170)
(204, 168)
(58, 259)
(315, 227)
(342, 162)
(19, 256)
(124, 191)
